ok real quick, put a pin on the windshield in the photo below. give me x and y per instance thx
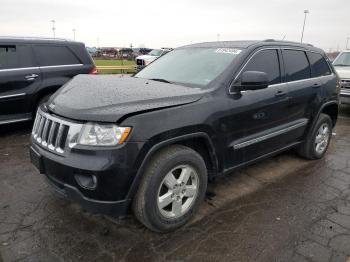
(156, 52)
(198, 66)
(342, 60)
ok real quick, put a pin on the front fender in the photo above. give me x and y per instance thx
(150, 148)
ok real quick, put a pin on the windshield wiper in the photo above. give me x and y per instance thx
(340, 65)
(161, 80)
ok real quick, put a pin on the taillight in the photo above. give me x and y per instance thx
(93, 71)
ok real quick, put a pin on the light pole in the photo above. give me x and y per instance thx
(74, 34)
(347, 43)
(218, 37)
(302, 33)
(53, 28)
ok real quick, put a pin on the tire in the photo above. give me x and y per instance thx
(156, 189)
(308, 149)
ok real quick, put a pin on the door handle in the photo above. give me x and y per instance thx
(280, 93)
(31, 77)
(316, 85)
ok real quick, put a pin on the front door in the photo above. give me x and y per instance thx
(264, 113)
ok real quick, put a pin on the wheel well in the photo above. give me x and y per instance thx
(202, 147)
(332, 111)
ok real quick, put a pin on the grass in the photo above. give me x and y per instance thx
(100, 62)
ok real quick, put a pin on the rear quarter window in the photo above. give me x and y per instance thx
(319, 65)
(49, 55)
(296, 65)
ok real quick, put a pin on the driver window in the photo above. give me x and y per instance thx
(266, 61)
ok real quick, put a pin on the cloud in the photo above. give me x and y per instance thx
(158, 23)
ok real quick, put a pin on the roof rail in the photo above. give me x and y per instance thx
(284, 41)
(34, 38)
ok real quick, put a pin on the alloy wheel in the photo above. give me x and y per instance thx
(178, 191)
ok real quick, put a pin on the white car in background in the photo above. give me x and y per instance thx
(144, 60)
(342, 66)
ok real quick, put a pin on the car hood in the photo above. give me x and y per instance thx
(110, 98)
(147, 57)
(343, 71)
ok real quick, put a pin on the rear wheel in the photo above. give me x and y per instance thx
(318, 139)
(172, 189)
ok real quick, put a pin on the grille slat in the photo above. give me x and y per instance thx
(50, 133)
(36, 125)
(45, 132)
(40, 130)
(58, 138)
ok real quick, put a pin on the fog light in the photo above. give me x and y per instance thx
(86, 181)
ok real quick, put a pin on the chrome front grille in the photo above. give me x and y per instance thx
(50, 132)
(345, 83)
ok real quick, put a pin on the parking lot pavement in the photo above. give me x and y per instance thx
(283, 209)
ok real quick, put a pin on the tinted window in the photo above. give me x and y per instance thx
(319, 65)
(297, 65)
(49, 55)
(12, 56)
(266, 61)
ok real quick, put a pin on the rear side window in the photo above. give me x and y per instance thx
(16, 56)
(296, 64)
(266, 61)
(49, 55)
(319, 65)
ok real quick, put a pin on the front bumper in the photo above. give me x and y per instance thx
(140, 67)
(99, 179)
(345, 96)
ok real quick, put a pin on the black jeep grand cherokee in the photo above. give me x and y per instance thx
(152, 141)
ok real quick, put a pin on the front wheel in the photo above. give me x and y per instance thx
(318, 139)
(172, 189)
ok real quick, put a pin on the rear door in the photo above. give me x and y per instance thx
(19, 77)
(304, 88)
(58, 63)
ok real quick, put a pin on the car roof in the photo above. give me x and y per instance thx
(252, 43)
(35, 40)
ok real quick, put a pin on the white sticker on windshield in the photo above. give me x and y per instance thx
(233, 51)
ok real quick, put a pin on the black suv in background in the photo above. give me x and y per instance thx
(152, 141)
(31, 69)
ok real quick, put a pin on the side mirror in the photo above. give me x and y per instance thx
(253, 80)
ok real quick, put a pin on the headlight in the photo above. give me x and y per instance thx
(103, 134)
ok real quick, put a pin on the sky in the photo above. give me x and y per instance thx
(172, 23)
